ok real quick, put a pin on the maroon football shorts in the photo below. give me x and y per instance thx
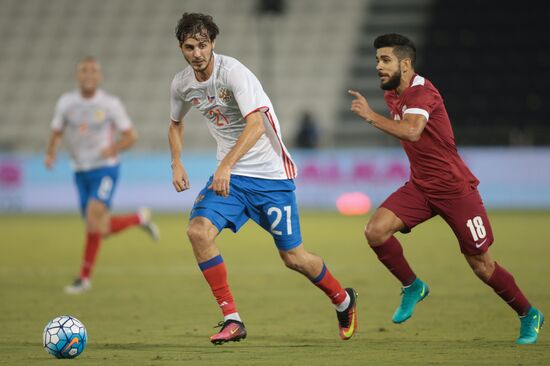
(465, 215)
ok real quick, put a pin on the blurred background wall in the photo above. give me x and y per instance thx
(490, 60)
(301, 56)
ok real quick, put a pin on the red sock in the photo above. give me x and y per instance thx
(215, 272)
(505, 286)
(93, 240)
(330, 286)
(119, 223)
(391, 255)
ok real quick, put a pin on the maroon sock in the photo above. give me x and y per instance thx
(391, 255)
(505, 286)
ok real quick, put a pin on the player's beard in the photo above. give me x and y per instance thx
(393, 81)
(208, 61)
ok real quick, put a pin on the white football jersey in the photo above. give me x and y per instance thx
(89, 126)
(230, 94)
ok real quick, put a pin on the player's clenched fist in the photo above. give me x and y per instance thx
(360, 106)
(220, 181)
(180, 180)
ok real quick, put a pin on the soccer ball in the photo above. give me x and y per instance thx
(65, 337)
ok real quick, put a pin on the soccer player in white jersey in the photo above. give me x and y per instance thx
(254, 178)
(89, 118)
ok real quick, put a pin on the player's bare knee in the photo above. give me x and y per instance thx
(295, 266)
(197, 232)
(376, 233)
(93, 222)
(96, 216)
(288, 259)
(292, 261)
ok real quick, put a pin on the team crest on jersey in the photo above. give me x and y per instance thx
(99, 115)
(225, 95)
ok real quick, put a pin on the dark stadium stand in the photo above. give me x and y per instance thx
(489, 59)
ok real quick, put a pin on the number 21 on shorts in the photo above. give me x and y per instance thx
(278, 217)
(477, 229)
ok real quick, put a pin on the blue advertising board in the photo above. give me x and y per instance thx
(510, 178)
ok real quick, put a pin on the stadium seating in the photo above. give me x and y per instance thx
(301, 56)
(306, 57)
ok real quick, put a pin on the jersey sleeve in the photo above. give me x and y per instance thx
(58, 121)
(120, 117)
(178, 106)
(247, 90)
(420, 100)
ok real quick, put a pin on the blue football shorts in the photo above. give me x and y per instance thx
(271, 203)
(98, 184)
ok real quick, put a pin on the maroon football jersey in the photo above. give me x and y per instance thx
(436, 168)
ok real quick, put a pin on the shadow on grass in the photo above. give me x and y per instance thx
(207, 346)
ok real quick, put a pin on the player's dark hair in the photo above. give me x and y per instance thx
(402, 46)
(192, 24)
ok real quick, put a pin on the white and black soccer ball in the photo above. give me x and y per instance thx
(65, 337)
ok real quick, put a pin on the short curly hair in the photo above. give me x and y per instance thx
(192, 24)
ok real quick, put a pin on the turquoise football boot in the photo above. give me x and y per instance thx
(411, 295)
(530, 327)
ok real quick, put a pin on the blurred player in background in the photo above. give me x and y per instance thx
(254, 178)
(89, 118)
(440, 184)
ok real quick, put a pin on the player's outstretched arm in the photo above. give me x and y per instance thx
(180, 180)
(409, 128)
(51, 150)
(252, 132)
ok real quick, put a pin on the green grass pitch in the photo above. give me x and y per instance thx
(149, 304)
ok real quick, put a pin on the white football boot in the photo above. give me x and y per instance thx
(147, 224)
(79, 286)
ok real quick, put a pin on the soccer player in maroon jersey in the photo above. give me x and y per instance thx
(440, 184)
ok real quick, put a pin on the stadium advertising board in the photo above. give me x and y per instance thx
(510, 178)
